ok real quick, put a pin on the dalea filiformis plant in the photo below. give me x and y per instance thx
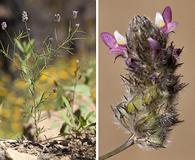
(148, 110)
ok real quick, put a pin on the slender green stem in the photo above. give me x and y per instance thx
(68, 39)
(27, 30)
(119, 149)
(55, 33)
(9, 37)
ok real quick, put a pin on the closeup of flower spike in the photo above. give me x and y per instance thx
(148, 110)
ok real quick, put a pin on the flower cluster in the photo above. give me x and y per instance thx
(3, 25)
(24, 16)
(57, 18)
(74, 14)
(148, 109)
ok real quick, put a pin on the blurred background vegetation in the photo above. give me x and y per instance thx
(41, 18)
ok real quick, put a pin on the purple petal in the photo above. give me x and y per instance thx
(154, 45)
(108, 39)
(117, 51)
(164, 29)
(171, 27)
(167, 14)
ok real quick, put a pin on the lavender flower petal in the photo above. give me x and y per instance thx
(117, 51)
(171, 27)
(109, 40)
(167, 14)
(164, 29)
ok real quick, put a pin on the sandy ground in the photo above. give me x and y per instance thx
(116, 15)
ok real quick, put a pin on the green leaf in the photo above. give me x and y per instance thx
(82, 122)
(84, 109)
(91, 125)
(42, 99)
(19, 45)
(29, 46)
(81, 88)
(67, 104)
(65, 118)
(89, 115)
(59, 103)
(24, 68)
(63, 128)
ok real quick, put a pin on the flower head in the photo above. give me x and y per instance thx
(24, 16)
(148, 110)
(74, 14)
(164, 21)
(116, 43)
(57, 17)
(77, 25)
(3, 25)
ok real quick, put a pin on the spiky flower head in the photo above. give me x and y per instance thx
(148, 109)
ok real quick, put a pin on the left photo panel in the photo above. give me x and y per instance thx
(48, 80)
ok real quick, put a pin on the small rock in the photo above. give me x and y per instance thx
(15, 155)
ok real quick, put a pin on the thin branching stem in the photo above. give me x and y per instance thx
(119, 149)
(68, 39)
(27, 30)
(8, 35)
(55, 33)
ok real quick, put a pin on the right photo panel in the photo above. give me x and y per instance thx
(146, 80)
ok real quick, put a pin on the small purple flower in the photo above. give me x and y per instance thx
(116, 43)
(164, 21)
